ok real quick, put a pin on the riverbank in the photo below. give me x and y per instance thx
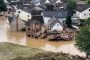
(9, 51)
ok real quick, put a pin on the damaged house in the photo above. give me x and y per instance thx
(35, 26)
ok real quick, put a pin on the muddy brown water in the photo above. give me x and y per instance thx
(20, 38)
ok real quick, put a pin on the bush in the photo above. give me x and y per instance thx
(51, 56)
(83, 39)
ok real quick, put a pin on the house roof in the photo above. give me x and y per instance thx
(58, 14)
(24, 15)
(52, 1)
(82, 7)
(36, 8)
(53, 21)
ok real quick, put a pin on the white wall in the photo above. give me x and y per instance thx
(46, 19)
(57, 26)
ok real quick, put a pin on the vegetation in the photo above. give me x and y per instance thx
(88, 1)
(10, 51)
(83, 39)
(2, 6)
(71, 5)
(51, 56)
(85, 22)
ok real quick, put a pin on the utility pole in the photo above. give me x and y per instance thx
(17, 20)
(17, 23)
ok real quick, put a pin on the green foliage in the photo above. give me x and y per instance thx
(88, 1)
(71, 6)
(2, 6)
(85, 22)
(9, 51)
(68, 21)
(83, 39)
(51, 56)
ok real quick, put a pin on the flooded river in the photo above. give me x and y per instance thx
(20, 38)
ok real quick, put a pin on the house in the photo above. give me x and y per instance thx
(55, 24)
(23, 15)
(34, 28)
(59, 11)
(35, 25)
(36, 13)
(36, 2)
(83, 11)
(60, 15)
(51, 9)
(18, 19)
(19, 16)
(13, 23)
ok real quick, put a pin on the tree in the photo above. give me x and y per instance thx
(85, 22)
(88, 1)
(2, 6)
(83, 39)
(71, 5)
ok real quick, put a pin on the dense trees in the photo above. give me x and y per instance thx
(83, 39)
(71, 5)
(2, 6)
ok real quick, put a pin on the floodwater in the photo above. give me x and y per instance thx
(20, 38)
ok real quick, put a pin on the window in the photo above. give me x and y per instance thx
(28, 16)
(84, 14)
(64, 22)
(18, 11)
(9, 12)
(9, 9)
(28, 28)
(28, 35)
(57, 24)
(89, 9)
